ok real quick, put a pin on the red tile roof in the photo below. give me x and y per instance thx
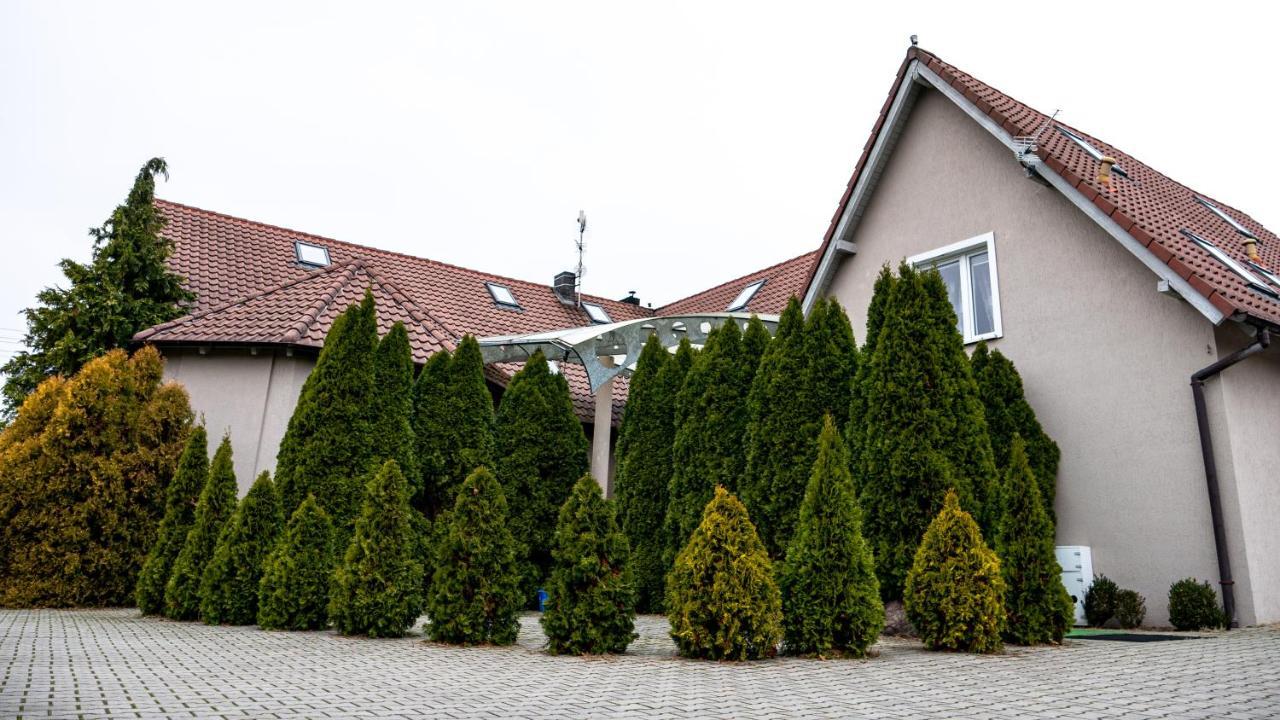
(781, 281)
(1151, 207)
(250, 290)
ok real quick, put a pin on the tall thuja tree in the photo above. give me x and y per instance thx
(830, 596)
(377, 590)
(126, 287)
(643, 461)
(216, 505)
(781, 429)
(1037, 605)
(393, 403)
(1008, 414)
(294, 592)
(541, 453)
(833, 360)
(432, 394)
(755, 339)
(179, 514)
(921, 429)
(591, 609)
(330, 446)
(881, 293)
(83, 469)
(229, 586)
(453, 417)
(711, 425)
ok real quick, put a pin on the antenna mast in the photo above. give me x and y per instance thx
(582, 229)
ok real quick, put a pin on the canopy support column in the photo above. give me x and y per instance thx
(602, 424)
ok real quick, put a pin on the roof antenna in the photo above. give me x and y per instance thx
(582, 229)
(915, 40)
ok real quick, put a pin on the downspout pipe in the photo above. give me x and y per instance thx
(1262, 341)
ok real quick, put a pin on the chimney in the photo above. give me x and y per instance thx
(631, 298)
(564, 287)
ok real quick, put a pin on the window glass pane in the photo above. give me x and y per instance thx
(950, 273)
(980, 284)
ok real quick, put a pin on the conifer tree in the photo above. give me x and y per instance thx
(833, 359)
(643, 470)
(1037, 605)
(127, 287)
(955, 592)
(216, 506)
(881, 292)
(393, 404)
(294, 592)
(475, 594)
(591, 605)
(83, 469)
(1008, 414)
(329, 446)
(722, 600)
(470, 436)
(432, 394)
(541, 452)
(781, 427)
(755, 339)
(377, 589)
(229, 585)
(919, 428)
(179, 514)
(711, 425)
(830, 595)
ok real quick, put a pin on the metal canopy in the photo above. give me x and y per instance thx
(609, 350)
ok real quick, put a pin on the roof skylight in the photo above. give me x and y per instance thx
(1094, 152)
(1227, 218)
(313, 255)
(502, 295)
(597, 313)
(745, 296)
(1253, 280)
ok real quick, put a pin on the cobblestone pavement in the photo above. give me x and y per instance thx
(112, 663)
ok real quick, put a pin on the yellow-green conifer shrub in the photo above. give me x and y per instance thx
(722, 600)
(955, 592)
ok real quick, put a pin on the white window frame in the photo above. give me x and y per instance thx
(299, 247)
(746, 295)
(962, 251)
(597, 313)
(495, 289)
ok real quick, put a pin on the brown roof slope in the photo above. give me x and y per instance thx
(1148, 205)
(783, 280)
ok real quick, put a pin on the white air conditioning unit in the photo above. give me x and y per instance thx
(1077, 574)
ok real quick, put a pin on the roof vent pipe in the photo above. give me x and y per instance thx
(1104, 170)
(565, 287)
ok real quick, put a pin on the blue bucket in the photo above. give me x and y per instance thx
(542, 600)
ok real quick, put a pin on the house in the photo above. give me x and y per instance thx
(1115, 288)
(266, 297)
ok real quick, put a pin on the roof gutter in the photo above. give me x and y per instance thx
(1211, 468)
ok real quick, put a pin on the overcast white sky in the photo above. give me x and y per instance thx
(703, 140)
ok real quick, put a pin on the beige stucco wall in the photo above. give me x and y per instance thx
(1104, 357)
(250, 396)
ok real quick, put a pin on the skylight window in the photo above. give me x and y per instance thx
(313, 255)
(1253, 280)
(745, 296)
(597, 313)
(1094, 152)
(502, 295)
(1225, 217)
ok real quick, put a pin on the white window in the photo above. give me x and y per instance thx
(745, 296)
(502, 295)
(313, 255)
(969, 270)
(597, 313)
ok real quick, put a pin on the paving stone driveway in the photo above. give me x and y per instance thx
(112, 663)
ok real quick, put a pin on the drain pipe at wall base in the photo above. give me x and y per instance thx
(1211, 468)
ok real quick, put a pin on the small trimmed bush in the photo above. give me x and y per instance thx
(475, 591)
(294, 592)
(955, 591)
(179, 515)
(229, 587)
(1131, 609)
(591, 605)
(377, 590)
(216, 506)
(1194, 605)
(1100, 601)
(722, 600)
(830, 595)
(1037, 606)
